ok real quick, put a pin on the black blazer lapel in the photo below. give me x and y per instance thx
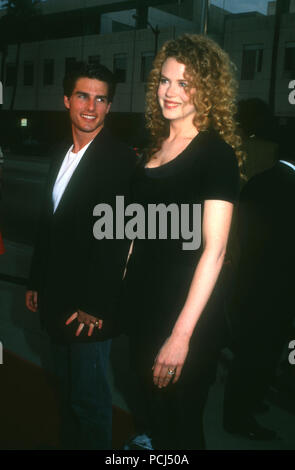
(93, 160)
(57, 159)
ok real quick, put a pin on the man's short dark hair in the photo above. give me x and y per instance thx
(84, 70)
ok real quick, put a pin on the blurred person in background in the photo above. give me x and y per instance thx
(261, 310)
(258, 133)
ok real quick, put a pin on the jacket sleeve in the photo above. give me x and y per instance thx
(107, 258)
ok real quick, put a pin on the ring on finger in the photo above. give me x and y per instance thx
(171, 371)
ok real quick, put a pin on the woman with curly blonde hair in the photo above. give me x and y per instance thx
(171, 307)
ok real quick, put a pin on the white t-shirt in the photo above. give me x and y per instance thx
(65, 173)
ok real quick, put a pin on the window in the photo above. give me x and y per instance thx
(252, 61)
(28, 73)
(120, 67)
(146, 65)
(259, 60)
(48, 72)
(94, 59)
(117, 21)
(70, 64)
(289, 63)
(10, 77)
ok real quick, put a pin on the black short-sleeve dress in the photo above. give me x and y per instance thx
(160, 271)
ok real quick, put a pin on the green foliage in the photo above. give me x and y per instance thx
(15, 26)
(20, 8)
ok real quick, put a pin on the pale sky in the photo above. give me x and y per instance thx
(241, 6)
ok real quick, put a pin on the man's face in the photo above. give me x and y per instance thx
(88, 106)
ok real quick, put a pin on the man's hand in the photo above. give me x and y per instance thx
(32, 300)
(85, 319)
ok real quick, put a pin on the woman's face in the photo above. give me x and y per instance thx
(173, 95)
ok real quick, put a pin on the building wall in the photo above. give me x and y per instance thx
(271, 7)
(55, 6)
(130, 95)
(247, 31)
(240, 31)
(287, 35)
(156, 17)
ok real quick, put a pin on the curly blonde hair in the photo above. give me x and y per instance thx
(208, 70)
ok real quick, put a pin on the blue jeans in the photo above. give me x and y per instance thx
(86, 401)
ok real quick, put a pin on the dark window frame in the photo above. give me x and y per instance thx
(48, 72)
(144, 66)
(28, 70)
(69, 63)
(94, 59)
(120, 73)
(252, 61)
(289, 58)
(10, 74)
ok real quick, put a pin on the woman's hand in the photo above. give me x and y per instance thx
(170, 360)
(85, 319)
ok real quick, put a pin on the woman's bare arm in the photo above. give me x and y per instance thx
(215, 230)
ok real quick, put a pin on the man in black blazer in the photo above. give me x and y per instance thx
(262, 308)
(75, 278)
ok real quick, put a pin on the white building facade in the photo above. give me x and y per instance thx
(249, 41)
(129, 51)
